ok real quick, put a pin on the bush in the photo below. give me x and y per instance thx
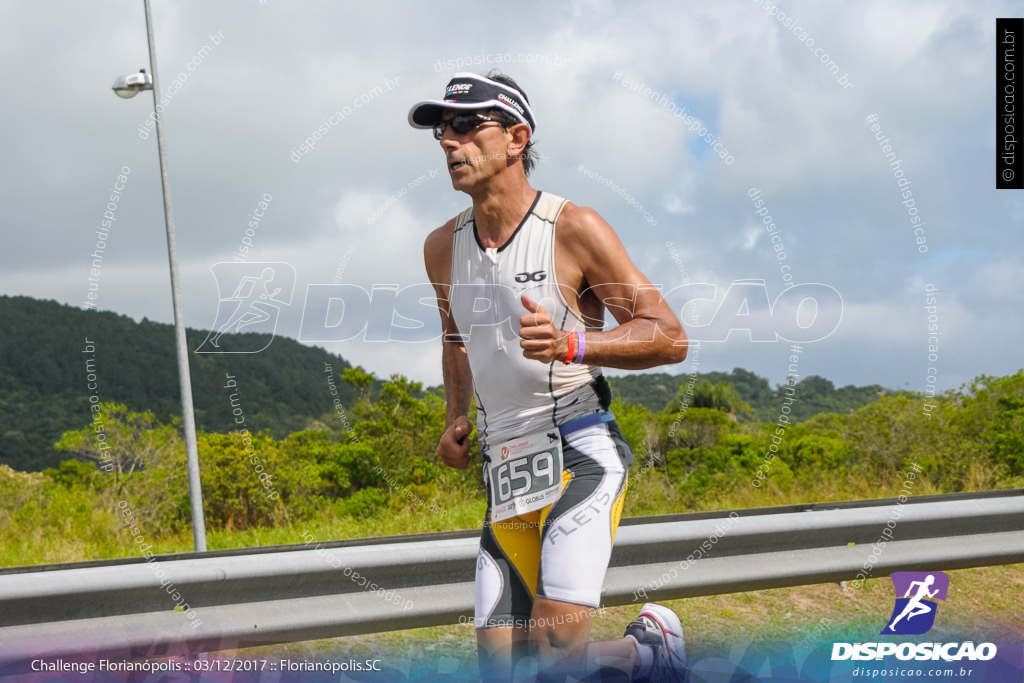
(365, 503)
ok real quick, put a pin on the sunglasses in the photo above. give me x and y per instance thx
(461, 124)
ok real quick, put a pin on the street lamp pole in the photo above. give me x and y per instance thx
(184, 379)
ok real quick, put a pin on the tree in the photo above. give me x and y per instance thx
(719, 396)
(360, 379)
(122, 441)
(700, 428)
(992, 412)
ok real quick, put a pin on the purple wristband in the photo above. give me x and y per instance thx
(581, 345)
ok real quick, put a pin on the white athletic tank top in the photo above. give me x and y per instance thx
(516, 395)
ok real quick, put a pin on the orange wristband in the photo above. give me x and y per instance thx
(571, 352)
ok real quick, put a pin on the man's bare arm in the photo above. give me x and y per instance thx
(458, 378)
(648, 334)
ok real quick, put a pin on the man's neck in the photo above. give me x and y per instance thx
(500, 207)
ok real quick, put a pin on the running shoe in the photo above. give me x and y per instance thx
(659, 627)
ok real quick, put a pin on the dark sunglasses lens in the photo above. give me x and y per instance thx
(465, 123)
(461, 124)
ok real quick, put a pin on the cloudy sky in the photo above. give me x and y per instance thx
(785, 90)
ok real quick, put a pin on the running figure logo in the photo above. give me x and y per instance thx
(257, 291)
(914, 613)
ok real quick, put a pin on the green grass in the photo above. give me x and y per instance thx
(70, 529)
(70, 525)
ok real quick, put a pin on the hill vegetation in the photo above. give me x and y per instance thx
(817, 395)
(371, 469)
(44, 388)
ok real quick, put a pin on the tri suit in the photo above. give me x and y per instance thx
(560, 551)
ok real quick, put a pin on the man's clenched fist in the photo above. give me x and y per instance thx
(540, 339)
(454, 445)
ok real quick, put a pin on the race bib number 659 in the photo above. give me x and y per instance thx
(525, 474)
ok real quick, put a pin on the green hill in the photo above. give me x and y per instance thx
(44, 392)
(813, 395)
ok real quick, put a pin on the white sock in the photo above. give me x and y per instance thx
(646, 653)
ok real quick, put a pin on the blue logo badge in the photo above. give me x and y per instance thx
(914, 612)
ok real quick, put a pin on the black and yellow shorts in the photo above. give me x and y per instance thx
(559, 552)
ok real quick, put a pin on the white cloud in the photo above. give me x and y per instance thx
(281, 70)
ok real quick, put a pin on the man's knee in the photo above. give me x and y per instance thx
(549, 643)
(559, 627)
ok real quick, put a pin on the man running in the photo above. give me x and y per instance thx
(522, 280)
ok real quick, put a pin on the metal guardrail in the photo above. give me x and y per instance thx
(261, 596)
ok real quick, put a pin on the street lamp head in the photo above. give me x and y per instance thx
(132, 84)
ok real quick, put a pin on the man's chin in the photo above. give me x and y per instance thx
(461, 184)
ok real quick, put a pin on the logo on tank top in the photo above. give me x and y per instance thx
(531, 277)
